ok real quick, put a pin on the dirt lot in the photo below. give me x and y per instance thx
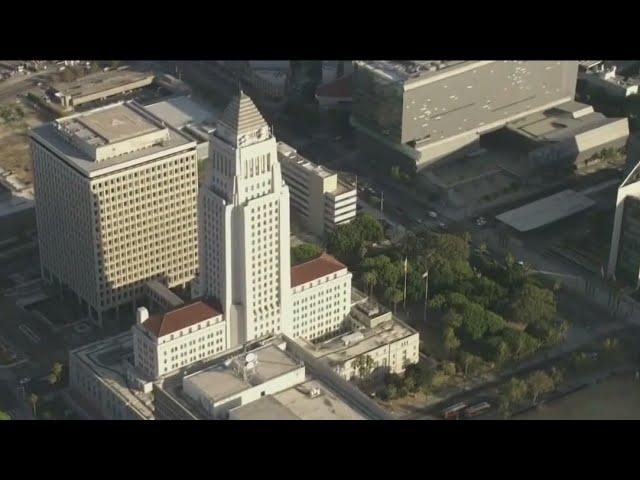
(14, 142)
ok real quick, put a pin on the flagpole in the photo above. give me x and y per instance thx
(405, 285)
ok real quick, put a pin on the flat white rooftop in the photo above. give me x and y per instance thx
(291, 154)
(296, 404)
(336, 352)
(108, 126)
(181, 111)
(220, 381)
(546, 210)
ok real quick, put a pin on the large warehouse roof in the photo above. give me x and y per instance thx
(546, 210)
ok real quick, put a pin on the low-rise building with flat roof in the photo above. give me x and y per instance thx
(191, 118)
(99, 86)
(375, 332)
(103, 378)
(320, 197)
(568, 133)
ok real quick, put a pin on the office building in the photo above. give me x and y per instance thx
(320, 297)
(319, 196)
(425, 111)
(244, 227)
(116, 204)
(624, 256)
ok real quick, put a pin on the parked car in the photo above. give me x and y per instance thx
(432, 214)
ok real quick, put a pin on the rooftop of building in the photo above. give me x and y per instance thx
(222, 380)
(314, 269)
(343, 186)
(408, 71)
(181, 111)
(111, 360)
(296, 404)
(287, 152)
(164, 293)
(182, 317)
(561, 122)
(74, 137)
(546, 210)
(265, 408)
(101, 81)
(363, 340)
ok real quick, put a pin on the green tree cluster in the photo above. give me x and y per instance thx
(348, 242)
(304, 252)
(416, 378)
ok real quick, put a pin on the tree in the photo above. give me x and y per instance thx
(533, 305)
(56, 373)
(390, 392)
(4, 416)
(511, 394)
(539, 383)
(450, 340)
(33, 401)
(556, 375)
(470, 363)
(418, 377)
(304, 252)
(364, 366)
(394, 296)
(368, 227)
(370, 279)
(449, 368)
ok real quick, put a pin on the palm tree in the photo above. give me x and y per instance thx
(370, 279)
(395, 296)
(33, 400)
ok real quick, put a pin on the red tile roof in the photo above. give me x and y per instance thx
(319, 267)
(338, 88)
(181, 317)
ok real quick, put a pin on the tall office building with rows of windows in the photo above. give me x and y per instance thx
(244, 227)
(116, 204)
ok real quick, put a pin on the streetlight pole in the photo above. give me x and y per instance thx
(425, 275)
(381, 200)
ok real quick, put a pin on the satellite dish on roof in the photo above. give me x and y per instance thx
(251, 357)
